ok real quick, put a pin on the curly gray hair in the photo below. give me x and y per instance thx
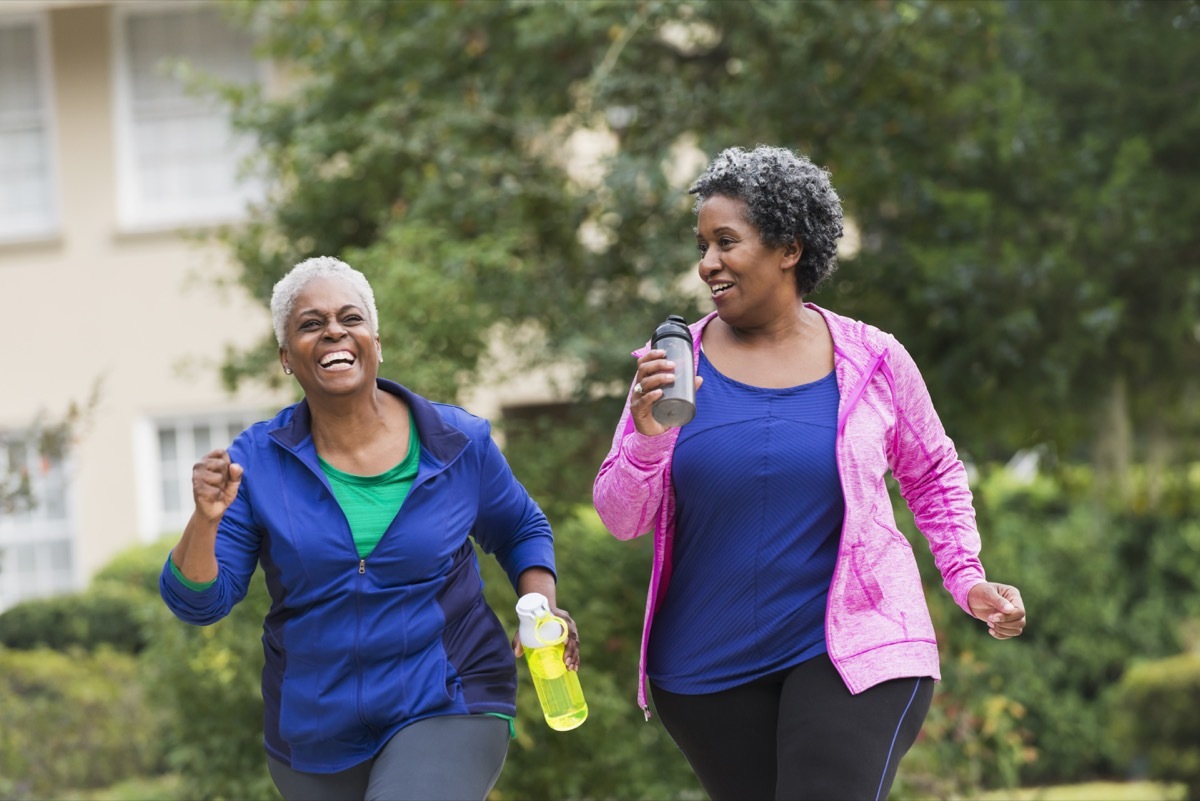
(283, 296)
(787, 197)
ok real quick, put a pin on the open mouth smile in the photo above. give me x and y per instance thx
(337, 360)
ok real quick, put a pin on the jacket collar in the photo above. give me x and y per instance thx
(440, 439)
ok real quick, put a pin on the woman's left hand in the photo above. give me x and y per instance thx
(1000, 605)
(571, 647)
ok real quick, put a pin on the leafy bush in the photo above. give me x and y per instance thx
(1158, 719)
(73, 720)
(106, 614)
(1103, 585)
(208, 680)
(137, 567)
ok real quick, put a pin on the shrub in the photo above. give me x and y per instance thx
(137, 567)
(208, 680)
(75, 719)
(1158, 719)
(1104, 586)
(107, 614)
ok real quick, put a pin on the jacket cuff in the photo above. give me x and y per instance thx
(645, 451)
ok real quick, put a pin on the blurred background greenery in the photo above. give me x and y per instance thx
(1020, 177)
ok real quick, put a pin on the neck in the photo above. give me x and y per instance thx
(794, 323)
(343, 424)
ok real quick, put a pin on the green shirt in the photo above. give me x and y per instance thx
(371, 503)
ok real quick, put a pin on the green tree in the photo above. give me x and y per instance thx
(1019, 173)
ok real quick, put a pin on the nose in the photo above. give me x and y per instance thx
(334, 330)
(709, 264)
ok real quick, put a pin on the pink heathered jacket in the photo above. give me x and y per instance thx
(877, 624)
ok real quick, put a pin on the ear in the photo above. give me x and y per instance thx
(284, 361)
(791, 254)
(379, 347)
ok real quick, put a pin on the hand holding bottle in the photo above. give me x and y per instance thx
(664, 391)
(542, 637)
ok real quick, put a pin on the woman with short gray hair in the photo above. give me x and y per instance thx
(386, 674)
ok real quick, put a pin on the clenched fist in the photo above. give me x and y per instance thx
(215, 482)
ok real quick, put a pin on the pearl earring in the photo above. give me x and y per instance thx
(287, 371)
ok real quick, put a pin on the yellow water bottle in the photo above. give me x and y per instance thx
(543, 636)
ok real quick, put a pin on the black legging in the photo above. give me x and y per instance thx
(797, 734)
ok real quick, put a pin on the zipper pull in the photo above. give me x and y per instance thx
(362, 566)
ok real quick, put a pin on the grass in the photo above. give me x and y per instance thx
(157, 788)
(1091, 791)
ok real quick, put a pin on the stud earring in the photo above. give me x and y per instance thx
(287, 371)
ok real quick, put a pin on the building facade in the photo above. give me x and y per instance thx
(111, 174)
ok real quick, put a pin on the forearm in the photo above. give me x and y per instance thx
(195, 553)
(632, 482)
(538, 579)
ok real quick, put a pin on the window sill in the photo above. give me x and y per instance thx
(30, 243)
(135, 232)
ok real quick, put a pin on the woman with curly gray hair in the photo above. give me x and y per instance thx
(787, 642)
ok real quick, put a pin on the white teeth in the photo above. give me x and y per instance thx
(337, 356)
(719, 288)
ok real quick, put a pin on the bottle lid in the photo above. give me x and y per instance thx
(674, 326)
(533, 605)
(539, 627)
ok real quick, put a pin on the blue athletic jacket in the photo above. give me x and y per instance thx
(357, 649)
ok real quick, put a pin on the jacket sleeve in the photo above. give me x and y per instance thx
(932, 479)
(509, 523)
(629, 489)
(237, 550)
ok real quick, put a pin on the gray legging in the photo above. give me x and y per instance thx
(455, 758)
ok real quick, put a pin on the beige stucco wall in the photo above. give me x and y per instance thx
(139, 312)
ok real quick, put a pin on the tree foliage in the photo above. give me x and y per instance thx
(1019, 174)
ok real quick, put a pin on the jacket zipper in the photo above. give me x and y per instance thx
(362, 569)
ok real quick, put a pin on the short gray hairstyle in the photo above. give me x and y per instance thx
(787, 197)
(283, 296)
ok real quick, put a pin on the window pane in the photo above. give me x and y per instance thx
(59, 553)
(201, 441)
(26, 558)
(25, 193)
(166, 444)
(18, 71)
(184, 152)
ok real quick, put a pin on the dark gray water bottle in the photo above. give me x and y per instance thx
(678, 402)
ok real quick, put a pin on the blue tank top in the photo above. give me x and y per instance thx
(759, 511)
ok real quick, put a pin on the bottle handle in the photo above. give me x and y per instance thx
(542, 621)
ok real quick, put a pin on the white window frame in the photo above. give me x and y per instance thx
(134, 212)
(154, 519)
(50, 227)
(36, 526)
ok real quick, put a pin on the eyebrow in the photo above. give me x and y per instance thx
(319, 313)
(719, 230)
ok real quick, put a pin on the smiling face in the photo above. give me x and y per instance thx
(330, 346)
(749, 282)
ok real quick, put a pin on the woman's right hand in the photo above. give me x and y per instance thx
(653, 373)
(215, 482)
